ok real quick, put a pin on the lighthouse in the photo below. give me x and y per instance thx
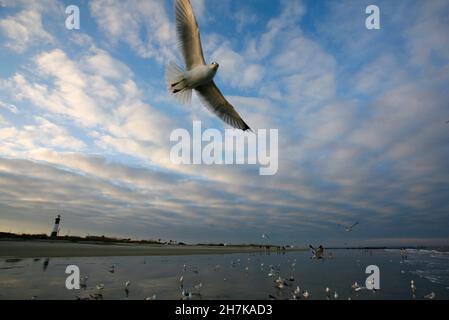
(55, 231)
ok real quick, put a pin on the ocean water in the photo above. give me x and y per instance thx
(233, 276)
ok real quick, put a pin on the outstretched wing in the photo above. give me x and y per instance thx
(189, 39)
(312, 248)
(214, 100)
(353, 225)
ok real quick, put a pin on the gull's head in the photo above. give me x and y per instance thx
(214, 66)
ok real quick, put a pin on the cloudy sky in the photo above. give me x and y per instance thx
(85, 121)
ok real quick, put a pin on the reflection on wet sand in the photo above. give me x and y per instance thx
(291, 275)
(46, 263)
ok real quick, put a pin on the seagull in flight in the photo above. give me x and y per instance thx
(349, 228)
(197, 75)
(265, 236)
(317, 253)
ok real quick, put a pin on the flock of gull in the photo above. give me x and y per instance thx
(283, 281)
(284, 286)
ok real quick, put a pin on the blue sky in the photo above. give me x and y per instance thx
(85, 121)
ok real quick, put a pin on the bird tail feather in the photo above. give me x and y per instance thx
(176, 83)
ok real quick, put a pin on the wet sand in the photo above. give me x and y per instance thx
(241, 276)
(50, 249)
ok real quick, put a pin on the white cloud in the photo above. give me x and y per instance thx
(98, 95)
(42, 134)
(235, 69)
(278, 28)
(383, 72)
(124, 21)
(25, 28)
(245, 17)
(427, 36)
(10, 107)
(361, 139)
(95, 91)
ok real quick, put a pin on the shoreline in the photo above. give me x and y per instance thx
(60, 249)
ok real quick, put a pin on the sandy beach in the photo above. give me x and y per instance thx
(39, 249)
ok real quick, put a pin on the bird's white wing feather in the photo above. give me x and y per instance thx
(188, 34)
(214, 100)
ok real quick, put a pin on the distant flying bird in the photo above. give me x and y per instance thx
(265, 236)
(317, 253)
(349, 228)
(198, 75)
